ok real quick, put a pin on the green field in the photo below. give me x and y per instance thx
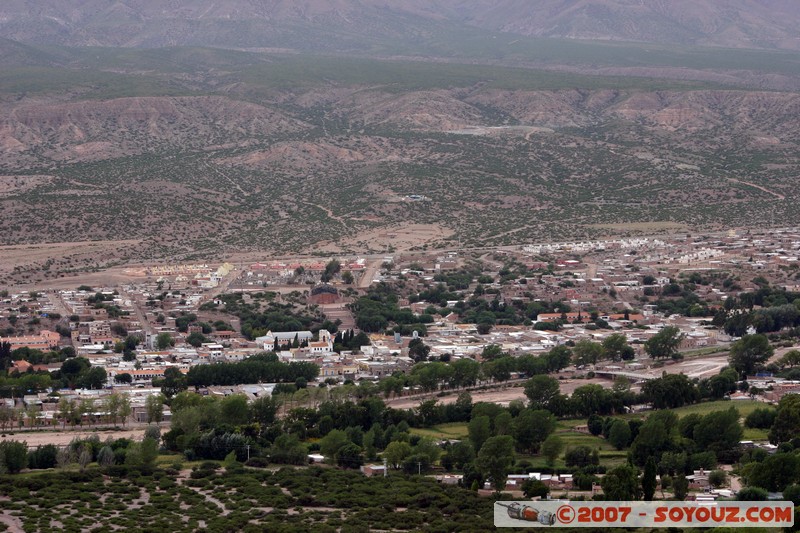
(755, 434)
(745, 407)
(451, 431)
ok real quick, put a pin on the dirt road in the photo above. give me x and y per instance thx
(369, 274)
(62, 438)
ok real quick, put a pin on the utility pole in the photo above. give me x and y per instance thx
(419, 468)
(248, 452)
(385, 467)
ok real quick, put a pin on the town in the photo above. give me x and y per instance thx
(421, 329)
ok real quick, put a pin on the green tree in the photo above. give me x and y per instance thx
(349, 456)
(621, 484)
(719, 431)
(673, 462)
(123, 378)
(331, 443)
(105, 457)
(558, 358)
(331, 269)
(533, 488)
(664, 344)
(680, 487)
(196, 339)
(792, 494)
(592, 398)
(234, 410)
(287, 449)
(154, 406)
(580, 456)
(670, 391)
(495, 459)
(465, 372)
(752, 494)
(587, 352)
(595, 424)
(461, 453)
(479, 429)
(125, 409)
(774, 473)
(717, 478)
(749, 352)
(13, 456)
(264, 410)
(541, 390)
(649, 482)
(620, 434)
(395, 452)
(787, 421)
(148, 453)
(428, 448)
(552, 448)
(532, 427)
(64, 411)
(503, 424)
(653, 439)
(492, 352)
(112, 406)
(164, 341)
(93, 378)
(761, 418)
(174, 382)
(418, 350)
(790, 359)
(616, 347)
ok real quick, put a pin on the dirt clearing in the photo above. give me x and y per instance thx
(61, 438)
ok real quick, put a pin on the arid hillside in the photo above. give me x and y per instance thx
(320, 164)
(98, 130)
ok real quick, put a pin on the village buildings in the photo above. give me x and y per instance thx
(605, 279)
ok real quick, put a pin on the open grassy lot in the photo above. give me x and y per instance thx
(745, 407)
(455, 430)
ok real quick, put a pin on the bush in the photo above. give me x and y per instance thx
(209, 465)
(257, 462)
(201, 474)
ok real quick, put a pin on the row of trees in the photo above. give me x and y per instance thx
(259, 368)
(114, 408)
(678, 445)
(75, 372)
(768, 309)
(15, 455)
(32, 355)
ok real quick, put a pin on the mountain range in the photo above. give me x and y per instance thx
(399, 26)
